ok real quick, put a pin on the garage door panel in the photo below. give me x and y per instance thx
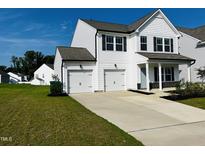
(80, 81)
(114, 80)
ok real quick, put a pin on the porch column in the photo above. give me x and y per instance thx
(189, 72)
(147, 77)
(160, 75)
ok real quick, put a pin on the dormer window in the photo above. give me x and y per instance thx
(143, 43)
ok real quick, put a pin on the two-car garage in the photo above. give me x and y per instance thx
(82, 81)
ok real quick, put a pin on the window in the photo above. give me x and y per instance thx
(156, 74)
(143, 43)
(42, 75)
(108, 43)
(119, 43)
(158, 44)
(167, 74)
(168, 45)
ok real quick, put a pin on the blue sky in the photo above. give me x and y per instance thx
(44, 29)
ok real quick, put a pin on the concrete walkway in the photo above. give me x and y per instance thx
(152, 120)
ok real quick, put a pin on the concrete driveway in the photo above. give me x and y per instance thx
(152, 120)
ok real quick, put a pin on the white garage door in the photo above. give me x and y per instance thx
(79, 81)
(114, 80)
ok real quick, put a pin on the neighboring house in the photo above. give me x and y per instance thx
(4, 77)
(17, 78)
(43, 75)
(108, 57)
(192, 44)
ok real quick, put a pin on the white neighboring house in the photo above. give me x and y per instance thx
(4, 77)
(17, 78)
(192, 44)
(43, 75)
(109, 57)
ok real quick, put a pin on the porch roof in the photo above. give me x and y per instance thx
(165, 56)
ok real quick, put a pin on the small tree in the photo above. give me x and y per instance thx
(201, 74)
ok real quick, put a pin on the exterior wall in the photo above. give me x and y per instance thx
(106, 60)
(188, 48)
(0, 78)
(84, 36)
(69, 66)
(45, 73)
(157, 27)
(57, 64)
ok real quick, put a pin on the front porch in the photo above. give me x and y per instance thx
(161, 70)
(159, 75)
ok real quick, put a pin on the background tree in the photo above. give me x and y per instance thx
(201, 74)
(3, 68)
(30, 62)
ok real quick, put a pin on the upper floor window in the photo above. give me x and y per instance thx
(119, 43)
(109, 42)
(143, 43)
(168, 45)
(114, 43)
(158, 44)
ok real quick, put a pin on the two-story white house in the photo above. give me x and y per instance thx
(108, 57)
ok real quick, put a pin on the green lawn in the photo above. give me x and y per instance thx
(30, 117)
(196, 102)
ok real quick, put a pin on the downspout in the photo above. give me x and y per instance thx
(96, 45)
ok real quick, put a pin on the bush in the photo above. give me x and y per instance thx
(190, 90)
(56, 88)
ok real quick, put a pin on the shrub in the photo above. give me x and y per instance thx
(190, 90)
(56, 88)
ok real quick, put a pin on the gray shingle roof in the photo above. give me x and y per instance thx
(51, 66)
(198, 32)
(122, 28)
(75, 54)
(105, 26)
(165, 56)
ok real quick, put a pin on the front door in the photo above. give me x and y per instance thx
(143, 78)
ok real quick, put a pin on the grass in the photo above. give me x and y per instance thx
(195, 102)
(30, 117)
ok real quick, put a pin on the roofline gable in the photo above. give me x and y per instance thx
(166, 19)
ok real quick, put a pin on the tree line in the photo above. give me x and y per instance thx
(28, 63)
